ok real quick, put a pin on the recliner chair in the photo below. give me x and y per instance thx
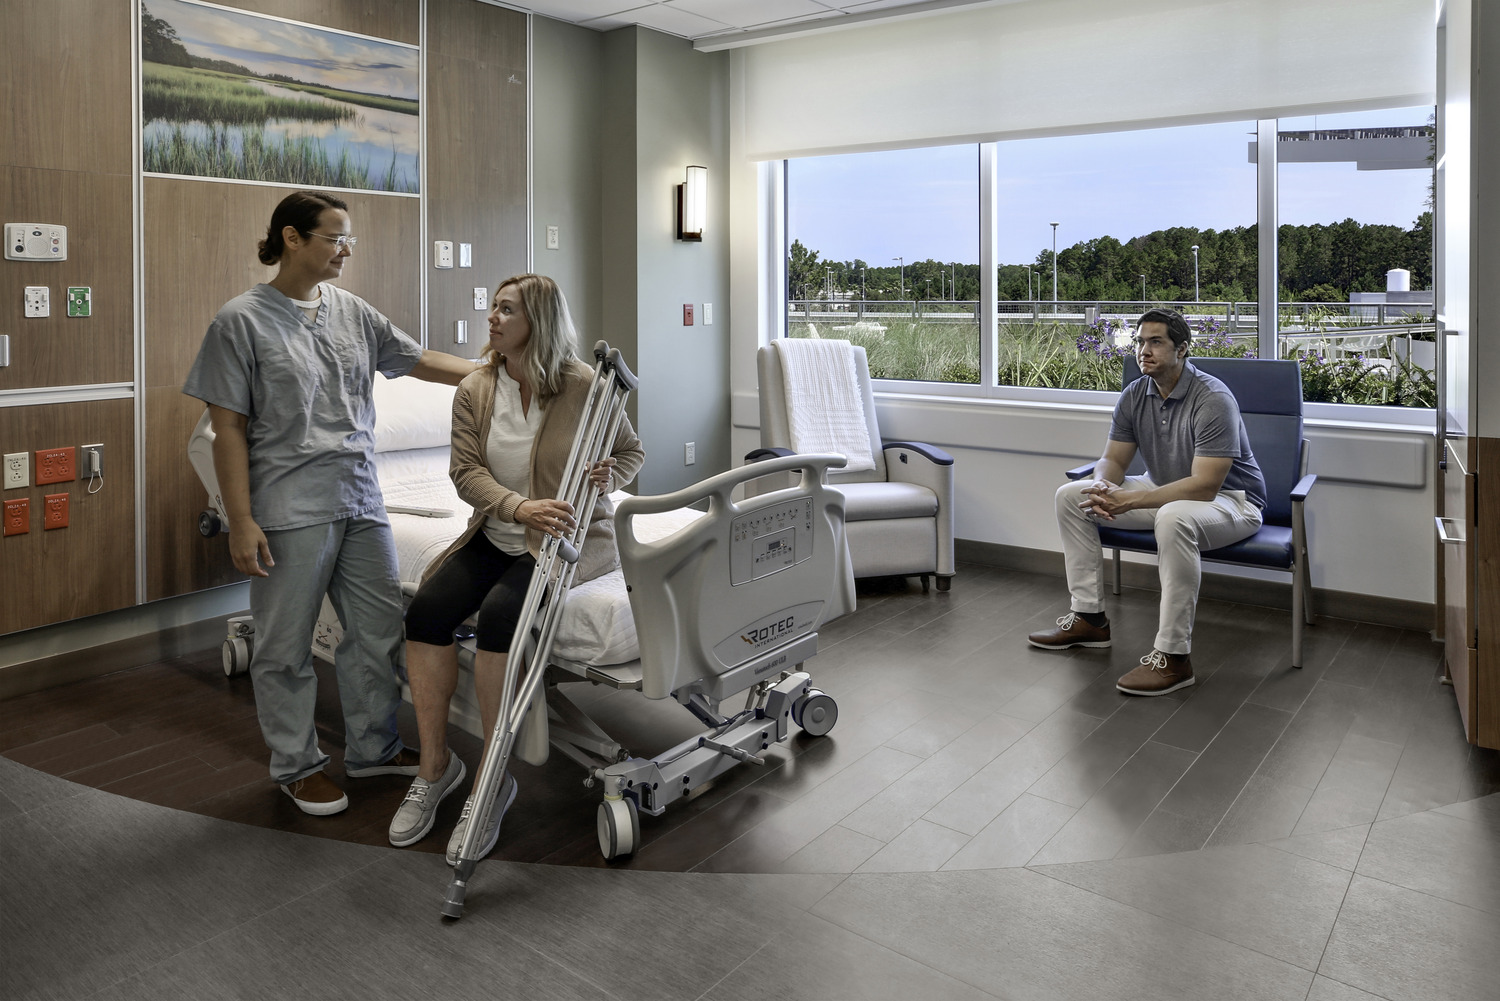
(899, 515)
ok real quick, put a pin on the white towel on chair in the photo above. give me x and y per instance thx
(825, 408)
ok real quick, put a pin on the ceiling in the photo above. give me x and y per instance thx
(733, 21)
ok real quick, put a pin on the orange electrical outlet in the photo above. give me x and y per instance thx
(54, 511)
(18, 516)
(54, 465)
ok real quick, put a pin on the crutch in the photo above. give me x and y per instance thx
(542, 608)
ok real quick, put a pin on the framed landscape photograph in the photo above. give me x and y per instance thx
(240, 96)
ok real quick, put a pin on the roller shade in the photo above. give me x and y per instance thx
(1049, 67)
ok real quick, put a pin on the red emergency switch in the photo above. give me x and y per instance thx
(687, 314)
(54, 465)
(18, 516)
(54, 511)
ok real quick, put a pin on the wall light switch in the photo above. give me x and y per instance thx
(38, 301)
(552, 241)
(708, 314)
(466, 255)
(481, 299)
(80, 300)
(460, 331)
(17, 470)
(442, 254)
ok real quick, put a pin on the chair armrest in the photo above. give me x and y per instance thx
(929, 452)
(761, 454)
(1303, 488)
(1079, 472)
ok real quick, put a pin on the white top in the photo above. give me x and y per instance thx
(508, 454)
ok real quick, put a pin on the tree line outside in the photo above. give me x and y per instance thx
(1318, 263)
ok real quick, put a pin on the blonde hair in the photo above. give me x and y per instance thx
(554, 340)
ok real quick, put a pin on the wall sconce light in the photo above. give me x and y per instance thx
(692, 204)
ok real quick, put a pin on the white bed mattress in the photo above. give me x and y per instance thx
(597, 627)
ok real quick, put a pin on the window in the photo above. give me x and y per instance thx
(1355, 255)
(883, 251)
(1137, 219)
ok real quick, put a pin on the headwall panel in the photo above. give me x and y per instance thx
(89, 566)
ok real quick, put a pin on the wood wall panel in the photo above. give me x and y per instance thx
(88, 567)
(200, 245)
(1485, 699)
(399, 20)
(59, 350)
(66, 71)
(476, 159)
(178, 559)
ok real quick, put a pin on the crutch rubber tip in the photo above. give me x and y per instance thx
(453, 902)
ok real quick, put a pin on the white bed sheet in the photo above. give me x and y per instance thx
(597, 627)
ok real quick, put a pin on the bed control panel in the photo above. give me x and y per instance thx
(770, 539)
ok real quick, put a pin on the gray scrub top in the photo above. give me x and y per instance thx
(306, 388)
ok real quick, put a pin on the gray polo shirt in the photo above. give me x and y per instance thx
(1199, 417)
(306, 388)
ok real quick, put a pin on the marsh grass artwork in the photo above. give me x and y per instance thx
(228, 94)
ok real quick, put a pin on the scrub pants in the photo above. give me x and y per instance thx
(1183, 529)
(353, 561)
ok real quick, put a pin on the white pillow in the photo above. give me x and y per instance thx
(410, 413)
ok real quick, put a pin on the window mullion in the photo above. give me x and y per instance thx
(989, 252)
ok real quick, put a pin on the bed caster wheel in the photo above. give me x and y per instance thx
(235, 654)
(815, 713)
(619, 827)
(209, 524)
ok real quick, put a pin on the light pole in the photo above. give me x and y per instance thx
(929, 288)
(828, 283)
(902, 261)
(862, 296)
(1143, 288)
(1028, 282)
(1195, 272)
(1054, 264)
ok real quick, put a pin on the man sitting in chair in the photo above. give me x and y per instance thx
(1202, 490)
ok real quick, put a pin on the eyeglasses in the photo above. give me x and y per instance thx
(341, 242)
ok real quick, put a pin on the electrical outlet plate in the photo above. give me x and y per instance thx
(687, 314)
(54, 511)
(91, 460)
(54, 465)
(552, 240)
(460, 331)
(80, 300)
(708, 314)
(690, 453)
(481, 299)
(17, 470)
(35, 241)
(38, 301)
(18, 516)
(442, 254)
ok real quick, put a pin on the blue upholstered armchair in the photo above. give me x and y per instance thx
(1270, 398)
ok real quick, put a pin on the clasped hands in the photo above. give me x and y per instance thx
(554, 517)
(1103, 499)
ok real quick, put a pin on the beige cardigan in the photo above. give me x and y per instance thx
(474, 405)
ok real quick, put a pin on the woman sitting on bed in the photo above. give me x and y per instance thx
(513, 424)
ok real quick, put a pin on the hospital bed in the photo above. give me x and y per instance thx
(707, 605)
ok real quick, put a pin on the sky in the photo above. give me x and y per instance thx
(924, 203)
(313, 55)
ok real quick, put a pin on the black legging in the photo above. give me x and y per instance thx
(477, 576)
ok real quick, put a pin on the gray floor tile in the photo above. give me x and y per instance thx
(1437, 854)
(922, 847)
(29, 789)
(1012, 838)
(1265, 810)
(816, 959)
(1269, 901)
(1353, 787)
(1408, 946)
(1324, 989)
(1107, 822)
(837, 849)
(1484, 810)
(1338, 848)
(1086, 769)
(1018, 934)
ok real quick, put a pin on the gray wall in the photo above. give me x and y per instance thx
(567, 79)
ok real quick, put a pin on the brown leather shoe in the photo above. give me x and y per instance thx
(406, 761)
(317, 795)
(1071, 630)
(1158, 674)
